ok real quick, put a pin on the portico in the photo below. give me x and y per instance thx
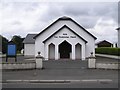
(56, 51)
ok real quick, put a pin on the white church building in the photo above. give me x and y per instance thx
(63, 39)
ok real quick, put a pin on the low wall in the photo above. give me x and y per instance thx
(93, 64)
(13, 66)
(107, 65)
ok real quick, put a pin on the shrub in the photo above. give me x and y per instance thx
(108, 50)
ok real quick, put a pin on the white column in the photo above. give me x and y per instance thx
(73, 52)
(39, 62)
(83, 52)
(56, 52)
(46, 51)
(91, 62)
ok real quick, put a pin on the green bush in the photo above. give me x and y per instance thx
(108, 50)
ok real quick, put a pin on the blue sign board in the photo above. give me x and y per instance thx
(11, 50)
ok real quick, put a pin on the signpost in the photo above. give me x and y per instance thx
(11, 51)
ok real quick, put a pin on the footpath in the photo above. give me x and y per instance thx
(108, 56)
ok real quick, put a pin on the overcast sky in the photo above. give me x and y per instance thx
(21, 18)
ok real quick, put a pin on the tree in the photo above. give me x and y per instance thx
(18, 41)
(3, 44)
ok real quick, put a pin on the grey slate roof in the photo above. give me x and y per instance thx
(29, 39)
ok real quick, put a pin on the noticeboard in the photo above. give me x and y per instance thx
(11, 50)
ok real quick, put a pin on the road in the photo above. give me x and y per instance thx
(64, 70)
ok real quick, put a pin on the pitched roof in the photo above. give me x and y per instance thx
(103, 41)
(29, 39)
(65, 26)
(64, 18)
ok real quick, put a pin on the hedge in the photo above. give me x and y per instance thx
(108, 50)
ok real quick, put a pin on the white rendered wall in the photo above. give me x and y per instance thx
(29, 49)
(119, 38)
(39, 45)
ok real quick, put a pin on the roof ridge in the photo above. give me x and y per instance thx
(65, 18)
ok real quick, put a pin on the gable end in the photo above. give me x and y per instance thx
(65, 26)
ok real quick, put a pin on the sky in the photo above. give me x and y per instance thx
(21, 18)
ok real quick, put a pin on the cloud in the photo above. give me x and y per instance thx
(32, 17)
(119, 14)
(85, 13)
(105, 30)
(21, 17)
(91, 12)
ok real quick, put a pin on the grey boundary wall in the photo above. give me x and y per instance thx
(13, 66)
(107, 66)
(32, 65)
(92, 64)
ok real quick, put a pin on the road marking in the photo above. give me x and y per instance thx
(25, 80)
(75, 80)
(109, 80)
(57, 81)
(13, 80)
(89, 80)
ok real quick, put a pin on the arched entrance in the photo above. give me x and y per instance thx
(51, 51)
(65, 49)
(78, 51)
